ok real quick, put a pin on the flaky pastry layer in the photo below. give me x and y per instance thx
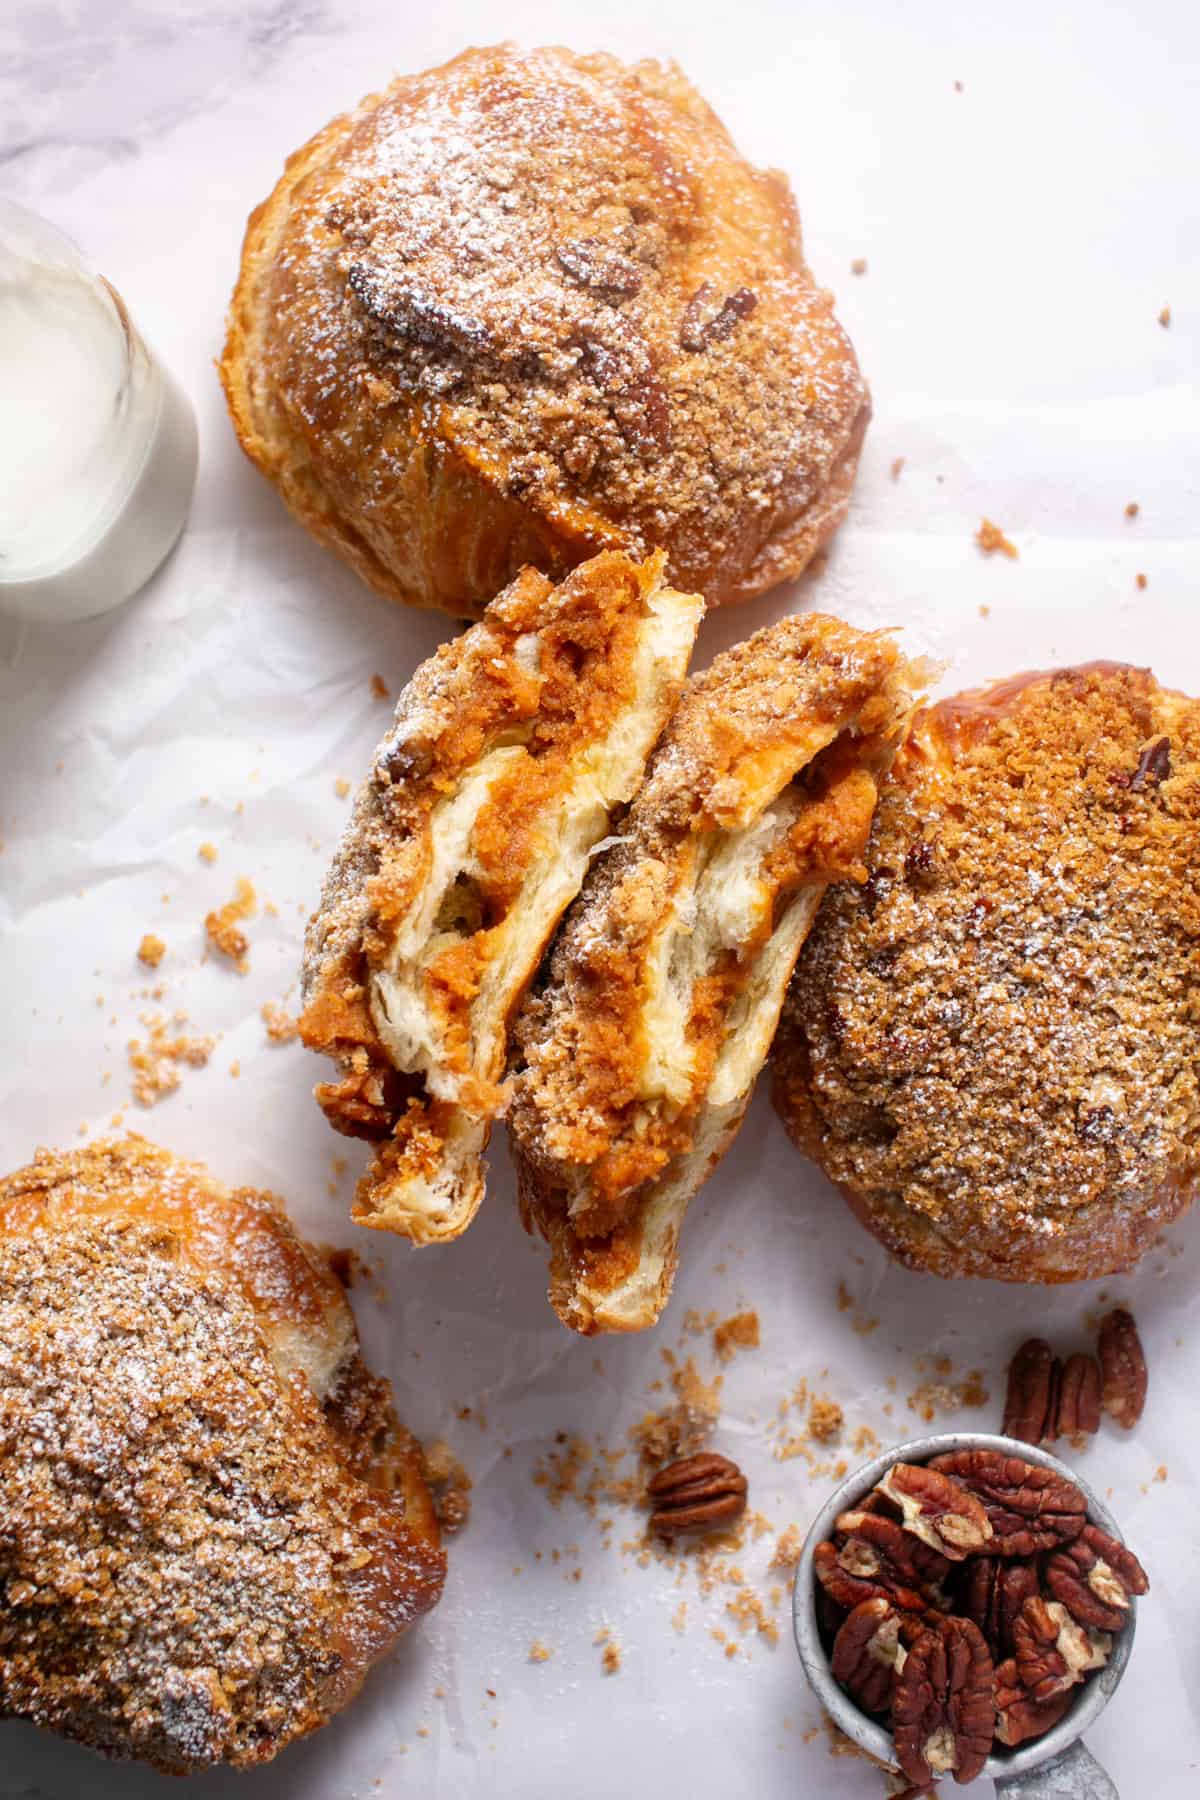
(211, 1521)
(992, 1047)
(470, 838)
(637, 1054)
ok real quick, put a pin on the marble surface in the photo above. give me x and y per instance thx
(1022, 232)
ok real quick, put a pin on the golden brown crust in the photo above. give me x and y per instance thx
(469, 839)
(528, 306)
(211, 1522)
(992, 1047)
(638, 1053)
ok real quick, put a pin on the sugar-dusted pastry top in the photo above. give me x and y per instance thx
(471, 836)
(211, 1522)
(993, 1046)
(527, 306)
(638, 1051)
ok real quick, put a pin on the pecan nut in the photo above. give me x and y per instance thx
(993, 1592)
(699, 1493)
(1019, 1717)
(871, 1560)
(1027, 1401)
(1052, 1651)
(1030, 1508)
(942, 1708)
(1123, 1368)
(938, 1510)
(1094, 1579)
(868, 1653)
(1079, 1397)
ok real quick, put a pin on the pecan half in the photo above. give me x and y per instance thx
(699, 1493)
(1019, 1717)
(868, 1654)
(937, 1509)
(1052, 1651)
(919, 1562)
(1094, 1578)
(872, 1560)
(1027, 1402)
(1030, 1508)
(942, 1710)
(993, 1592)
(1079, 1397)
(1123, 1368)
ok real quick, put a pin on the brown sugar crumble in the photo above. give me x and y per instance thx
(450, 1486)
(740, 1332)
(151, 950)
(1132, 510)
(157, 1061)
(825, 1419)
(282, 1026)
(207, 853)
(990, 538)
(224, 929)
(1142, 581)
(379, 688)
(539, 1652)
(1164, 317)
(859, 266)
(341, 787)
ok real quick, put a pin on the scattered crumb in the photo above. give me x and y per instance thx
(958, 87)
(985, 612)
(930, 1398)
(611, 1659)
(859, 266)
(150, 951)
(740, 1332)
(222, 926)
(281, 1026)
(539, 1652)
(379, 688)
(235, 1069)
(897, 468)
(825, 1419)
(341, 787)
(989, 537)
(788, 1547)
(1164, 317)
(679, 1618)
(207, 853)
(450, 1485)
(156, 1060)
(1142, 582)
(1132, 510)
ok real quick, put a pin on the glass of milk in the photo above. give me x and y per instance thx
(97, 443)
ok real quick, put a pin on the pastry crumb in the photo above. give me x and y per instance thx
(825, 1419)
(1132, 510)
(151, 950)
(740, 1332)
(222, 927)
(341, 787)
(1142, 581)
(989, 537)
(539, 1652)
(379, 688)
(207, 853)
(282, 1026)
(958, 87)
(897, 467)
(859, 266)
(788, 1548)
(1164, 317)
(157, 1060)
(450, 1485)
(611, 1658)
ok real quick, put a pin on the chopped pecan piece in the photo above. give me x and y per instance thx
(1123, 1368)
(1154, 764)
(993, 1592)
(868, 1654)
(1031, 1508)
(1079, 1397)
(937, 1509)
(1094, 1578)
(942, 1709)
(1027, 1402)
(1052, 1651)
(703, 324)
(1019, 1717)
(699, 1493)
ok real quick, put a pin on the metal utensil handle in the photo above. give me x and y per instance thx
(1075, 1775)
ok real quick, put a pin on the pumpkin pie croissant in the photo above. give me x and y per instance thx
(637, 1054)
(471, 836)
(211, 1521)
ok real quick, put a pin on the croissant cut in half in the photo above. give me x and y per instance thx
(470, 838)
(211, 1521)
(637, 1054)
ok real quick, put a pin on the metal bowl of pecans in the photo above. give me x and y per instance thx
(1001, 1681)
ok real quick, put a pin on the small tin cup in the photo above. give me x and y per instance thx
(1058, 1765)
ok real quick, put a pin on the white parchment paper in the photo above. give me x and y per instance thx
(1021, 235)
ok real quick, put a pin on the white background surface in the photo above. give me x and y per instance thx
(1022, 236)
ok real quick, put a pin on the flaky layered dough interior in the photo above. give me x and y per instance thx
(993, 1047)
(471, 837)
(637, 1055)
(211, 1521)
(529, 306)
